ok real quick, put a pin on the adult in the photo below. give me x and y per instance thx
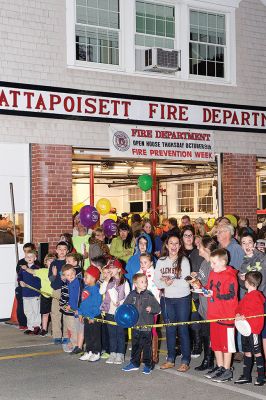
(200, 227)
(122, 246)
(155, 239)
(6, 236)
(136, 223)
(81, 244)
(170, 273)
(185, 220)
(172, 229)
(225, 237)
(195, 260)
(205, 247)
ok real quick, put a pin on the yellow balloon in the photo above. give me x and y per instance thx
(103, 206)
(112, 216)
(77, 207)
(210, 223)
(232, 219)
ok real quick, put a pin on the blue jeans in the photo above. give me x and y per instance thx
(177, 310)
(116, 333)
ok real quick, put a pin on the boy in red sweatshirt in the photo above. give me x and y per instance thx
(222, 303)
(252, 303)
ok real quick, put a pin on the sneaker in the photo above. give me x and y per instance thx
(120, 358)
(57, 341)
(43, 333)
(130, 367)
(37, 330)
(259, 382)
(94, 357)
(22, 328)
(195, 354)
(86, 356)
(28, 332)
(65, 340)
(224, 376)
(111, 359)
(77, 350)
(146, 370)
(242, 380)
(211, 374)
(105, 356)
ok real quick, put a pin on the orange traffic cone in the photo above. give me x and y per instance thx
(13, 319)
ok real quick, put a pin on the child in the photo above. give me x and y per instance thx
(46, 300)
(89, 309)
(100, 262)
(31, 298)
(56, 284)
(105, 276)
(146, 268)
(252, 303)
(115, 288)
(222, 303)
(147, 306)
(68, 306)
(74, 259)
(22, 320)
(143, 245)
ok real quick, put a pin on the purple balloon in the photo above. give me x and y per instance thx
(88, 216)
(109, 227)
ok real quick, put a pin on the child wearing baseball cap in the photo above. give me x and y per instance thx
(89, 309)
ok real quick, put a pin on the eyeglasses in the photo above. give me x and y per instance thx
(188, 235)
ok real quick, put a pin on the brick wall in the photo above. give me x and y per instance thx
(51, 192)
(239, 186)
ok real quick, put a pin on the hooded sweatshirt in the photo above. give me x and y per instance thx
(255, 263)
(223, 302)
(133, 264)
(253, 304)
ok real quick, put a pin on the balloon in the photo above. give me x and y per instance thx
(112, 216)
(109, 227)
(126, 315)
(77, 207)
(103, 206)
(232, 219)
(88, 216)
(210, 223)
(145, 182)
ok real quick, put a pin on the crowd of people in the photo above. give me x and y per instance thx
(186, 272)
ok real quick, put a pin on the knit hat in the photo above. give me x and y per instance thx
(94, 272)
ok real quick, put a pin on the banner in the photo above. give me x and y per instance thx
(164, 144)
(64, 103)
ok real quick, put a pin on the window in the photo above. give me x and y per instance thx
(195, 197)
(262, 192)
(138, 200)
(155, 25)
(97, 31)
(207, 47)
(7, 228)
(205, 198)
(185, 197)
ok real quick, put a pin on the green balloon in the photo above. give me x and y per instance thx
(145, 182)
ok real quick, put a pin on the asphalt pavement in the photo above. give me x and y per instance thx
(33, 368)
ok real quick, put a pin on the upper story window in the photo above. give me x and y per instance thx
(207, 46)
(155, 25)
(97, 31)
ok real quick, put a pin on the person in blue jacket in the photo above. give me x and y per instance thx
(143, 245)
(31, 298)
(89, 309)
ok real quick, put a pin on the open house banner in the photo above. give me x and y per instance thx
(127, 141)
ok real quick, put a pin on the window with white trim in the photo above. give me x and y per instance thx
(139, 200)
(195, 197)
(207, 46)
(97, 31)
(155, 25)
